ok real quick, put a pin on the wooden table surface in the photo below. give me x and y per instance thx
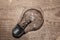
(11, 12)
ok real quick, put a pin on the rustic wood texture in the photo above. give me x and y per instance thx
(11, 12)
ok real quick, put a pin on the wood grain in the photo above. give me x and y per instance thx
(11, 12)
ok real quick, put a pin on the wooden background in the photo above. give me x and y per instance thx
(11, 12)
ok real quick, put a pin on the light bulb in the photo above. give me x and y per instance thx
(32, 20)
